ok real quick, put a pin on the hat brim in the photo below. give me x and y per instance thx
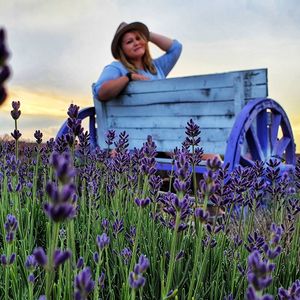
(129, 27)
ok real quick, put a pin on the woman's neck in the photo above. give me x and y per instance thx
(138, 64)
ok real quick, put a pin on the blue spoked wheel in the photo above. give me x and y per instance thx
(261, 131)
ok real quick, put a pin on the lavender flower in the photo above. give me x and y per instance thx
(84, 284)
(118, 226)
(101, 280)
(182, 173)
(193, 134)
(4, 70)
(62, 206)
(136, 280)
(40, 256)
(30, 262)
(7, 262)
(59, 257)
(251, 295)
(142, 202)
(10, 226)
(80, 263)
(102, 241)
(201, 214)
(148, 162)
(16, 134)
(73, 111)
(110, 136)
(292, 293)
(15, 113)
(38, 136)
(259, 271)
(126, 254)
(105, 224)
(31, 278)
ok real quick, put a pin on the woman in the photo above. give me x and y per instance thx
(133, 60)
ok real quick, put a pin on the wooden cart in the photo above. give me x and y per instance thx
(237, 119)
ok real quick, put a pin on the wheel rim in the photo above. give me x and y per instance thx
(261, 131)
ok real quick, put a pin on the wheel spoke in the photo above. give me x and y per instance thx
(276, 120)
(262, 130)
(281, 146)
(254, 145)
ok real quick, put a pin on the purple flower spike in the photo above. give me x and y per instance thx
(126, 253)
(31, 278)
(73, 111)
(143, 263)
(110, 136)
(105, 224)
(80, 263)
(96, 257)
(103, 241)
(15, 113)
(30, 262)
(12, 258)
(38, 136)
(10, 226)
(142, 202)
(259, 271)
(40, 256)
(193, 134)
(292, 293)
(63, 167)
(16, 134)
(60, 257)
(136, 280)
(83, 284)
(3, 260)
(201, 214)
(101, 280)
(59, 213)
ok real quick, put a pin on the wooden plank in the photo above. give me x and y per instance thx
(177, 96)
(239, 92)
(207, 134)
(257, 91)
(184, 96)
(169, 145)
(193, 82)
(257, 76)
(173, 109)
(169, 122)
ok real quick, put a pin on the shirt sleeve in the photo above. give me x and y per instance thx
(109, 72)
(167, 61)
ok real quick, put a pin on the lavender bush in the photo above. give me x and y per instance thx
(87, 224)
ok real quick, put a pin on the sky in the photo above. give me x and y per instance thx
(59, 48)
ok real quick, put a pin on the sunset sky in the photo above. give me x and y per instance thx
(59, 47)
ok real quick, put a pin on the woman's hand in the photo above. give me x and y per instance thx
(136, 77)
(163, 42)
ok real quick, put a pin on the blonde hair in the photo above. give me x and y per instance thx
(147, 59)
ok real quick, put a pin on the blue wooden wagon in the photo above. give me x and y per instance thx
(237, 119)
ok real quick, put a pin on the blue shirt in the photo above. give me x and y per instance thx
(163, 65)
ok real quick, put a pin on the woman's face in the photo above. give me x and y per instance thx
(133, 45)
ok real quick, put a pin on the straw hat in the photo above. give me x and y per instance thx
(124, 27)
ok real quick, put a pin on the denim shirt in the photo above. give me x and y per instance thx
(163, 65)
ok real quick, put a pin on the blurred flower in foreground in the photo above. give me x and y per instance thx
(4, 69)
(83, 284)
(136, 280)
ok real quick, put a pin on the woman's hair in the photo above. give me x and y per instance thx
(147, 59)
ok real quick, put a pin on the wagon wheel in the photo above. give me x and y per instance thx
(261, 131)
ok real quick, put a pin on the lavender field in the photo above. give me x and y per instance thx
(78, 223)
